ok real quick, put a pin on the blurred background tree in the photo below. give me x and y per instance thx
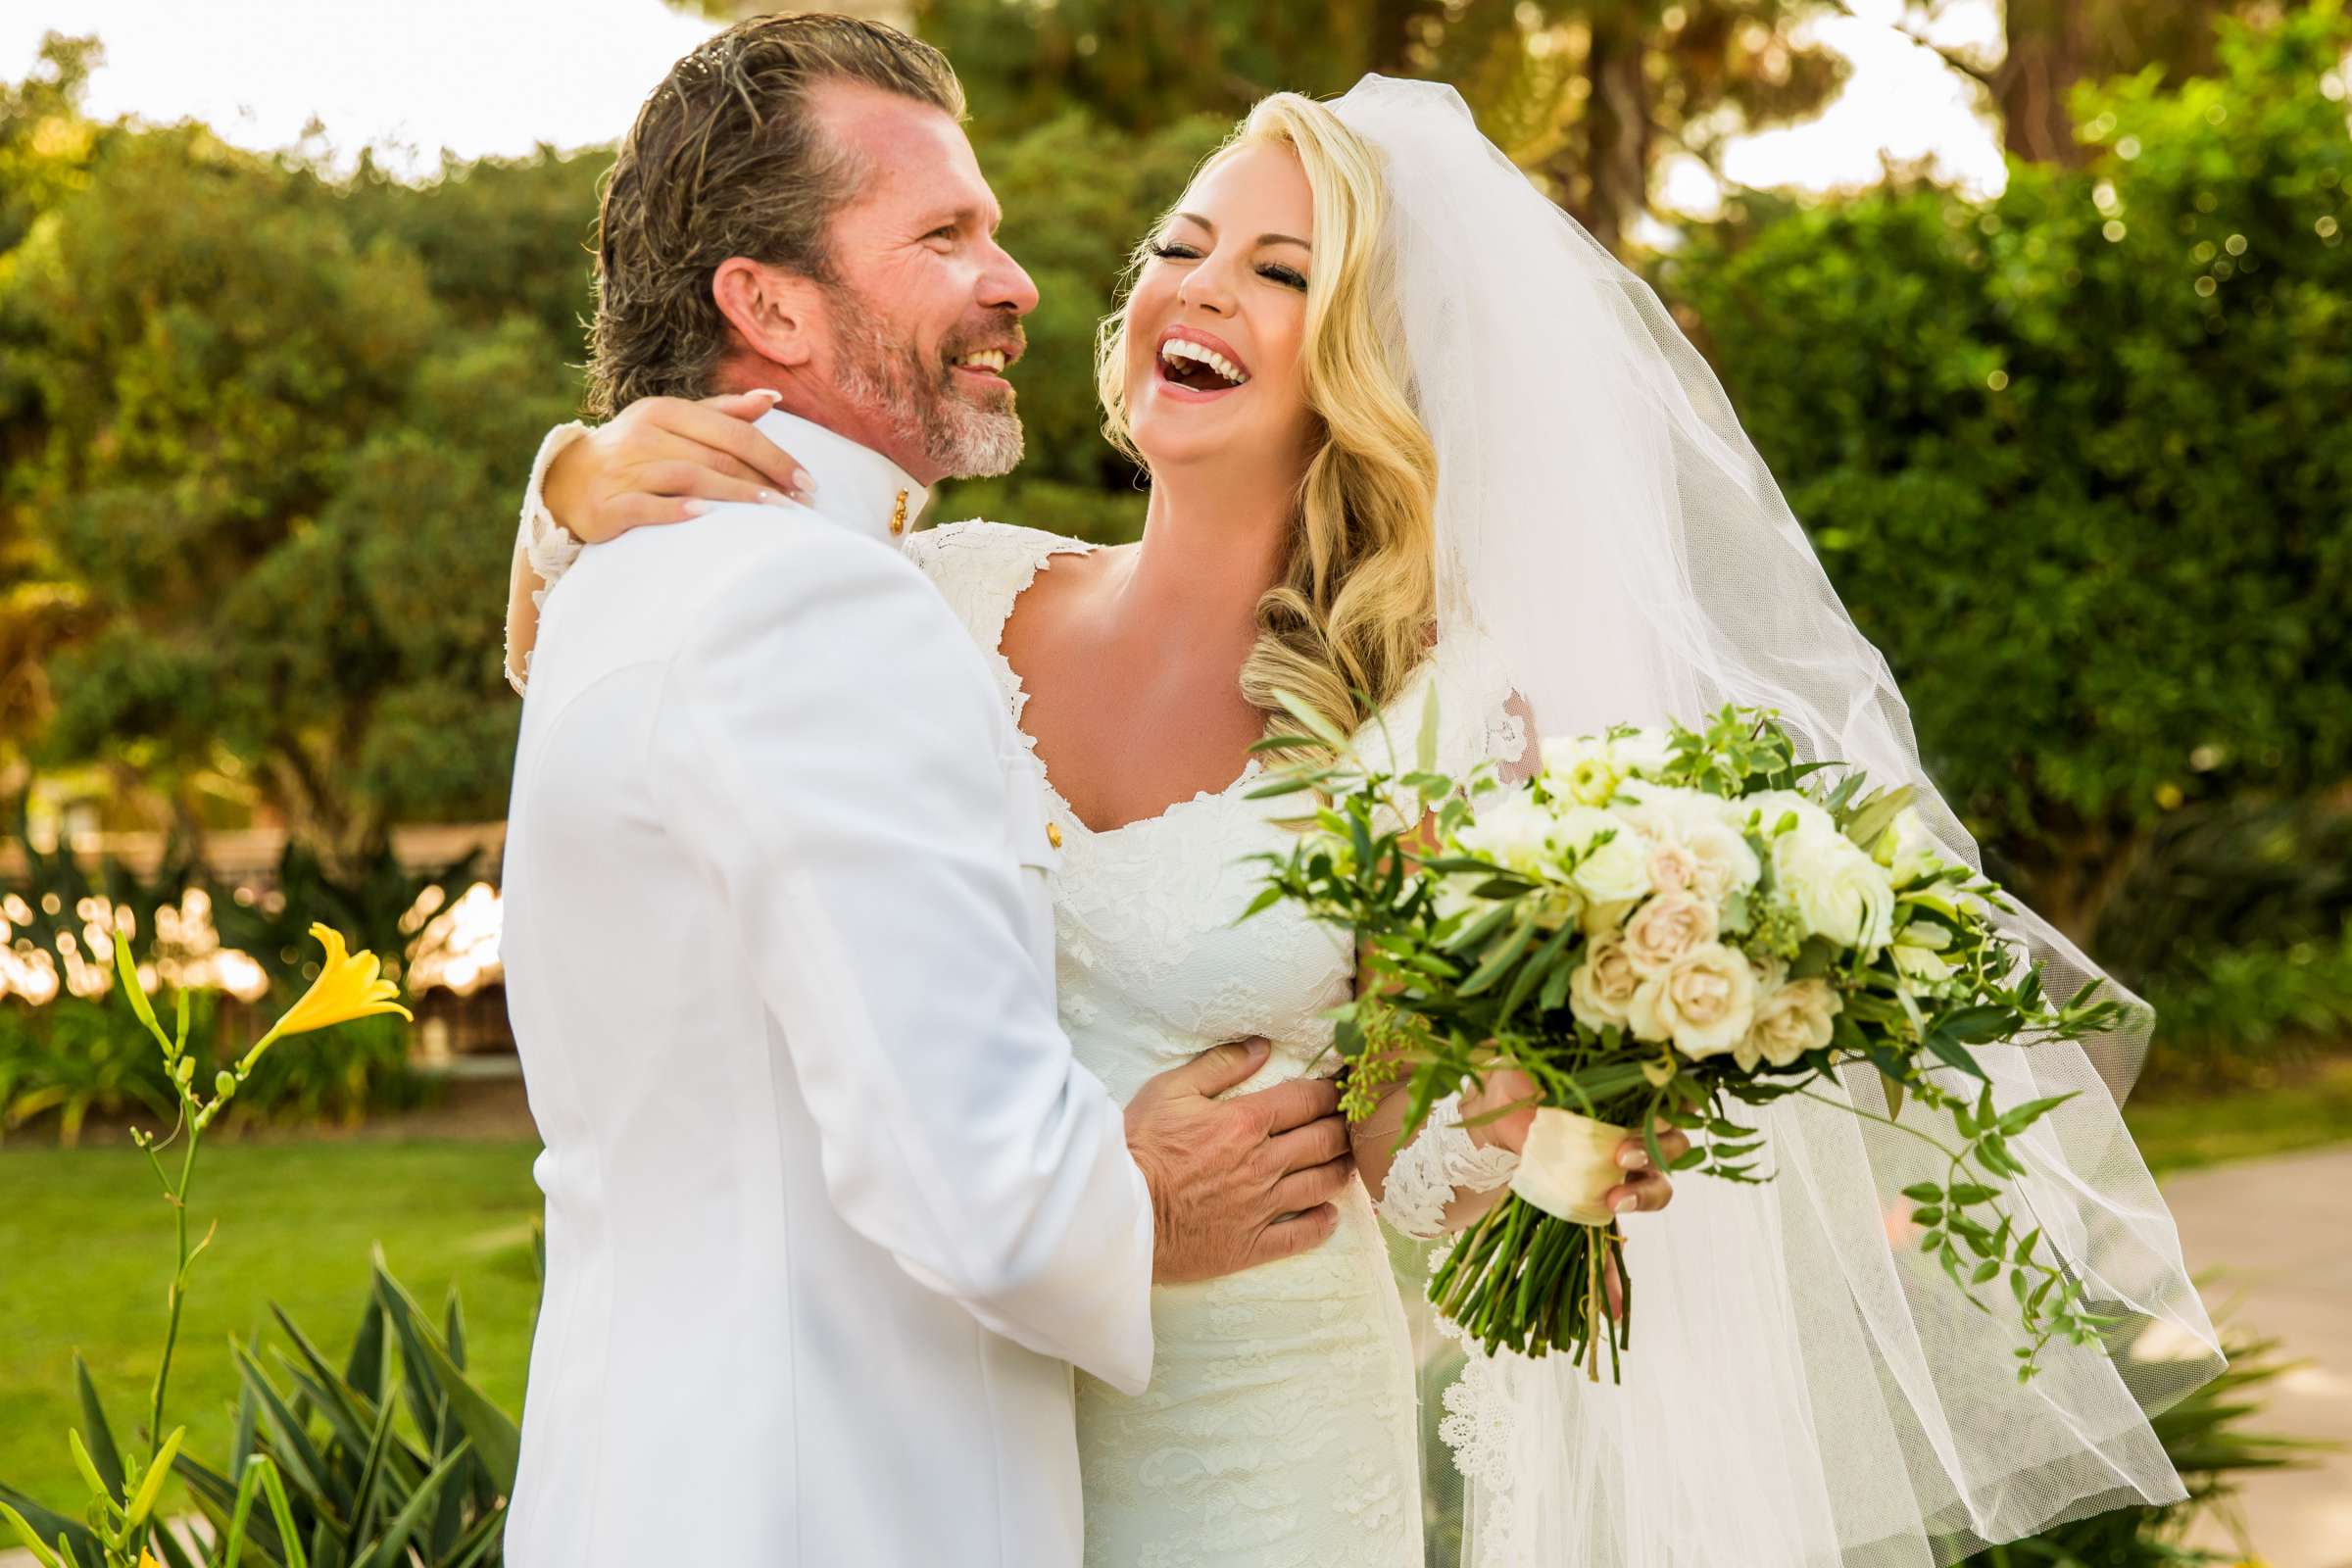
(2067, 457)
(257, 418)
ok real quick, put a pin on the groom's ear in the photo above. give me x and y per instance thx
(775, 312)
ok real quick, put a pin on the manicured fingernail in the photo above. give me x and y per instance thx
(769, 498)
(802, 486)
(695, 509)
(767, 392)
(1626, 1205)
(1633, 1159)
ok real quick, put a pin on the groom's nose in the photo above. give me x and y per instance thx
(1003, 285)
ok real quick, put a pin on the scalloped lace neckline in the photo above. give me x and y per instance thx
(1017, 694)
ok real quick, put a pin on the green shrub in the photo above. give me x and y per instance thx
(2238, 1016)
(2074, 456)
(70, 1058)
(74, 1057)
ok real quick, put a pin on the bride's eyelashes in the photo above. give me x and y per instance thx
(1272, 272)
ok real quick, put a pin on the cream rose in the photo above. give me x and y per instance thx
(1791, 1020)
(1602, 986)
(1705, 1003)
(1838, 890)
(1726, 865)
(1666, 929)
(1673, 866)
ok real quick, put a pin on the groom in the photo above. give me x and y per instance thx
(831, 1209)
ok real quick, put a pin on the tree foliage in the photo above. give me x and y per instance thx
(2074, 456)
(263, 421)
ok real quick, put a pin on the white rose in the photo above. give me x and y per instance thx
(1791, 1021)
(1771, 971)
(1513, 832)
(1609, 873)
(1645, 751)
(1579, 769)
(1602, 986)
(1838, 890)
(1666, 929)
(1767, 809)
(1705, 1003)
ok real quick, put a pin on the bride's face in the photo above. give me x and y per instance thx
(1215, 325)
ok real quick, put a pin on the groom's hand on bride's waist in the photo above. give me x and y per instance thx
(1236, 1182)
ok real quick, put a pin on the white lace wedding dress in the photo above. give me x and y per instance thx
(1280, 1428)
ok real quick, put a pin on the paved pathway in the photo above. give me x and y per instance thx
(2275, 1237)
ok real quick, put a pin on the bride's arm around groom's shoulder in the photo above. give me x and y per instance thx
(829, 746)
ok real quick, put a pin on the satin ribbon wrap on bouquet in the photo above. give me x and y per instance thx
(1568, 1165)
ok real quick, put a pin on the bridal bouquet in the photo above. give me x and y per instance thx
(1662, 927)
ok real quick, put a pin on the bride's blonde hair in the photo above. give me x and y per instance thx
(1353, 606)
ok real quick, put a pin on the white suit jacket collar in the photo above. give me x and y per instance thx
(856, 486)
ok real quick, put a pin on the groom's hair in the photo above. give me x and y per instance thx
(726, 159)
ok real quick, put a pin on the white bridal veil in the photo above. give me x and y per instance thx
(1804, 1387)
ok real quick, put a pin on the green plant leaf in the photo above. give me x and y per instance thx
(104, 1453)
(296, 1454)
(392, 1551)
(363, 1372)
(23, 1533)
(496, 1441)
(1954, 1054)
(126, 978)
(48, 1526)
(151, 1486)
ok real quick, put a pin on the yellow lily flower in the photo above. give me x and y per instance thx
(350, 985)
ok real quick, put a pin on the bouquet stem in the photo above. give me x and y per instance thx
(1527, 1281)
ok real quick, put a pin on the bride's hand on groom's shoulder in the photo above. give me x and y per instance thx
(666, 459)
(1237, 1182)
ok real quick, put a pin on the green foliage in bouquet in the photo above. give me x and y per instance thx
(1802, 929)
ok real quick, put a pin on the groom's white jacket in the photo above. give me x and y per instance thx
(830, 1207)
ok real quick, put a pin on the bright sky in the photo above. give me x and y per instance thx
(481, 77)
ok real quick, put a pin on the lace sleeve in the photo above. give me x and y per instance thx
(1441, 1161)
(545, 543)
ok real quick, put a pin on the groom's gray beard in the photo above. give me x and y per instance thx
(920, 401)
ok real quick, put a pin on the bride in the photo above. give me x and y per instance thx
(1407, 426)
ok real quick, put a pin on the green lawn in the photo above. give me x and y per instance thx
(2180, 1132)
(86, 1248)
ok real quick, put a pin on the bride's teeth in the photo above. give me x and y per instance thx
(1177, 348)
